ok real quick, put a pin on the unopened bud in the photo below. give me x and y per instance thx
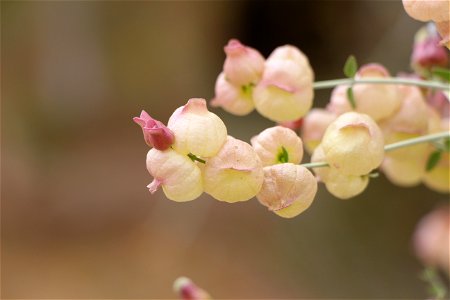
(379, 101)
(197, 130)
(277, 145)
(243, 65)
(187, 290)
(288, 189)
(427, 51)
(234, 174)
(156, 134)
(178, 175)
(353, 144)
(345, 186)
(234, 99)
(285, 92)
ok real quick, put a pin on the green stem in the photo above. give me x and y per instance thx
(393, 146)
(404, 81)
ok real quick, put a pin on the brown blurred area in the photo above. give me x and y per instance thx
(76, 218)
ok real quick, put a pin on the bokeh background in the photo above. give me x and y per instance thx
(77, 220)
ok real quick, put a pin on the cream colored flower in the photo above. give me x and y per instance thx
(234, 99)
(285, 92)
(353, 144)
(288, 189)
(234, 174)
(404, 172)
(178, 175)
(277, 145)
(197, 130)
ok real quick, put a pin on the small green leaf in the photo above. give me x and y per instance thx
(442, 73)
(283, 155)
(195, 158)
(433, 160)
(351, 97)
(350, 67)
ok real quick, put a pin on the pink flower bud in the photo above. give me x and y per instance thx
(243, 65)
(178, 175)
(156, 134)
(278, 145)
(431, 238)
(288, 189)
(187, 290)
(234, 174)
(314, 125)
(294, 125)
(426, 10)
(427, 52)
(379, 101)
(233, 99)
(353, 144)
(285, 92)
(197, 130)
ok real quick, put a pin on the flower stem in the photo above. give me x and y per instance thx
(404, 81)
(393, 146)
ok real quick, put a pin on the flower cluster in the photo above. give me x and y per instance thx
(193, 154)
(280, 87)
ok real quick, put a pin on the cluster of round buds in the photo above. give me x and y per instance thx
(402, 112)
(435, 11)
(353, 146)
(200, 157)
(280, 88)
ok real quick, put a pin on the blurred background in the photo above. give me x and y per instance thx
(77, 220)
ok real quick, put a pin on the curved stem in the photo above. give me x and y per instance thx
(393, 146)
(404, 81)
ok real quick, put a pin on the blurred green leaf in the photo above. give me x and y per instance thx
(351, 97)
(442, 73)
(433, 160)
(350, 67)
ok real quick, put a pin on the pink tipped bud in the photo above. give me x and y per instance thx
(278, 145)
(233, 99)
(197, 130)
(379, 101)
(243, 65)
(285, 92)
(288, 189)
(187, 290)
(427, 51)
(156, 134)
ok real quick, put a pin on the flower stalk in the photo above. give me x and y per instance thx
(393, 146)
(403, 81)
